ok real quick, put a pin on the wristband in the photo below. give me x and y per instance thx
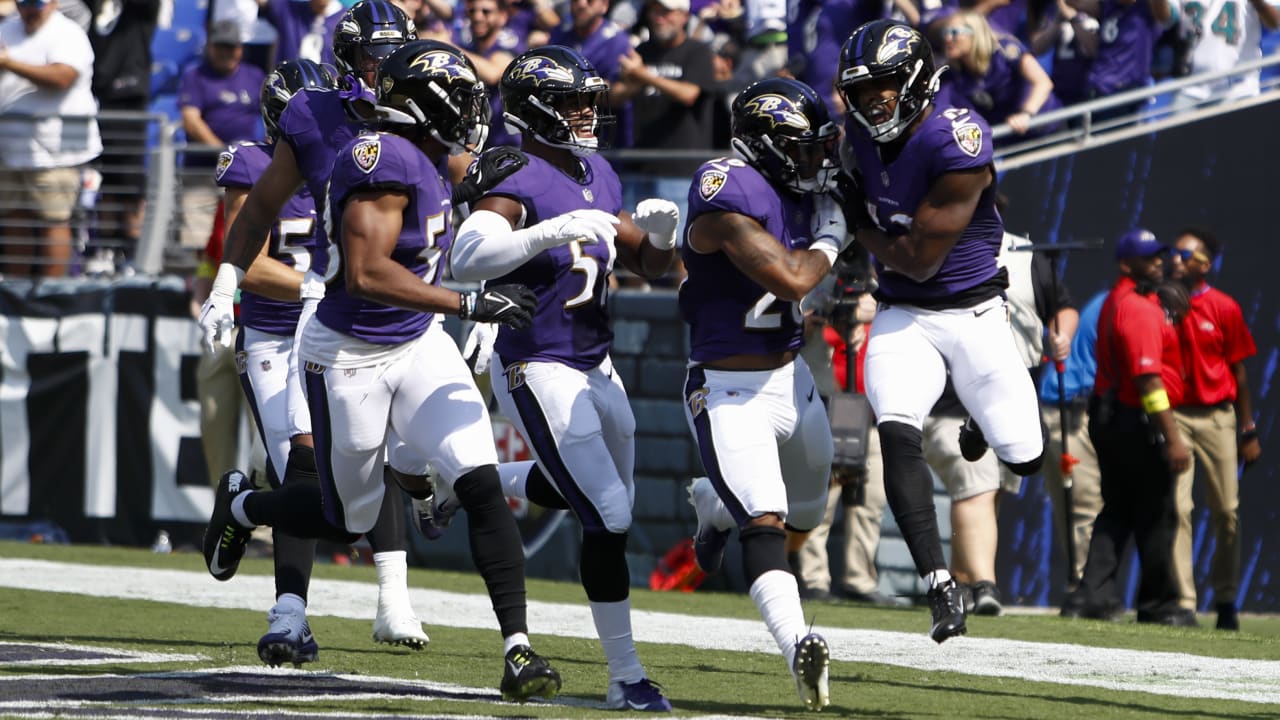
(1250, 434)
(1155, 401)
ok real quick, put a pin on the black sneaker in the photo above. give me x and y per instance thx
(986, 598)
(947, 607)
(973, 445)
(526, 675)
(1228, 619)
(224, 538)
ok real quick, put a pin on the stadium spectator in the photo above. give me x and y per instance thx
(121, 34)
(670, 79)
(1216, 419)
(1122, 49)
(1226, 34)
(304, 28)
(1140, 451)
(1079, 369)
(490, 46)
(532, 20)
(1060, 32)
(258, 34)
(859, 496)
(815, 39)
(764, 50)
(218, 97)
(994, 74)
(49, 131)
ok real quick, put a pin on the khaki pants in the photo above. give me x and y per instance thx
(222, 403)
(1086, 480)
(1211, 433)
(861, 533)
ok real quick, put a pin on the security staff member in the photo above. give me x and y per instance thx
(1140, 452)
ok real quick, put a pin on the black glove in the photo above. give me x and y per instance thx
(492, 167)
(511, 305)
(853, 201)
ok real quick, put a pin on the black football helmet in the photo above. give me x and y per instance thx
(888, 48)
(781, 127)
(432, 85)
(539, 83)
(367, 33)
(288, 78)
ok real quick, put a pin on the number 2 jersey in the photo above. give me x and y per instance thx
(381, 162)
(293, 237)
(571, 321)
(948, 140)
(727, 312)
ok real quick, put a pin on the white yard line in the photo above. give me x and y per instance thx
(1163, 673)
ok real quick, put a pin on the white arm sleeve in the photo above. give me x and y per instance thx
(486, 247)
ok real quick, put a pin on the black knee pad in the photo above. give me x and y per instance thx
(479, 489)
(301, 466)
(900, 441)
(763, 549)
(603, 566)
(1026, 469)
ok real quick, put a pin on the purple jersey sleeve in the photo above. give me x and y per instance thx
(727, 312)
(375, 162)
(571, 321)
(292, 239)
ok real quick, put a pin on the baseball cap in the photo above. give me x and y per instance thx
(32, 3)
(674, 4)
(1139, 243)
(225, 32)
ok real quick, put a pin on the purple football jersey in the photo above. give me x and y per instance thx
(727, 312)
(293, 237)
(317, 124)
(1126, 42)
(386, 162)
(571, 321)
(949, 139)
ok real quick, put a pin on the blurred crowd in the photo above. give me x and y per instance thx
(674, 67)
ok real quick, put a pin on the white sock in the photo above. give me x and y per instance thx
(514, 476)
(513, 640)
(937, 577)
(393, 576)
(613, 626)
(289, 602)
(237, 510)
(777, 596)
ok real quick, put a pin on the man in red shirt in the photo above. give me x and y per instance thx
(1140, 452)
(1215, 417)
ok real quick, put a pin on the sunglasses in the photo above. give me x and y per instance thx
(952, 33)
(1186, 255)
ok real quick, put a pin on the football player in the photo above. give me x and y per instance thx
(763, 230)
(923, 204)
(556, 227)
(375, 359)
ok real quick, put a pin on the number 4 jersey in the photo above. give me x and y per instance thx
(729, 313)
(292, 240)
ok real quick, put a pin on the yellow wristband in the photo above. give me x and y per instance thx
(206, 269)
(1155, 401)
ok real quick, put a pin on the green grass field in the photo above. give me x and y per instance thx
(699, 681)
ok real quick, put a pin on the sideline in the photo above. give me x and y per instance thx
(1163, 673)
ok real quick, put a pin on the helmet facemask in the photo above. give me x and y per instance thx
(914, 94)
(800, 165)
(463, 126)
(547, 117)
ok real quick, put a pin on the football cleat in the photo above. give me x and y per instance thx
(986, 598)
(973, 444)
(399, 626)
(288, 639)
(708, 542)
(644, 695)
(946, 603)
(810, 668)
(224, 538)
(526, 674)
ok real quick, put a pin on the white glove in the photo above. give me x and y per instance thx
(312, 287)
(478, 348)
(830, 233)
(218, 314)
(660, 219)
(589, 225)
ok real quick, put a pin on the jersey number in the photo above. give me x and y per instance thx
(590, 268)
(766, 314)
(291, 233)
(1225, 24)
